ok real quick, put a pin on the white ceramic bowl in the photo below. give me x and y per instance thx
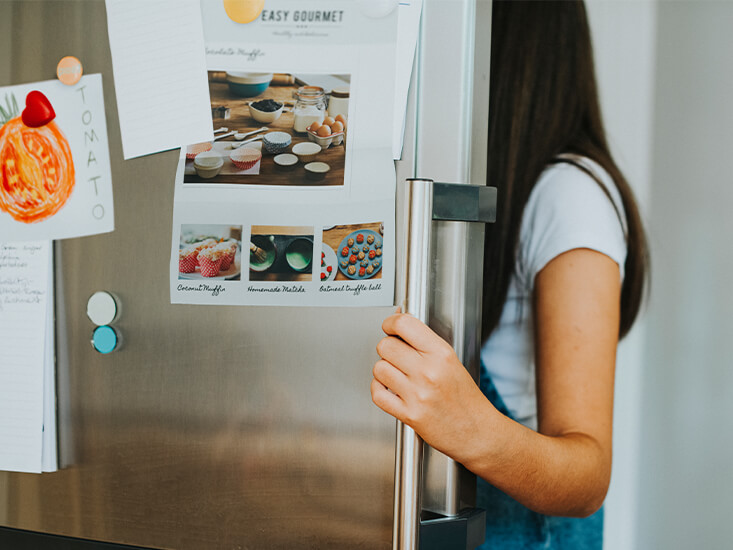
(306, 151)
(286, 161)
(208, 164)
(316, 170)
(265, 117)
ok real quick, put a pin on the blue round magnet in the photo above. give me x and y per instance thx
(104, 339)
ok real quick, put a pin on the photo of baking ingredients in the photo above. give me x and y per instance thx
(281, 253)
(210, 252)
(352, 252)
(273, 129)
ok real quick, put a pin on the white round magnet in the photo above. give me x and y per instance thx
(102, 308)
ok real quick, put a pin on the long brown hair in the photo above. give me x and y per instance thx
(543, 103)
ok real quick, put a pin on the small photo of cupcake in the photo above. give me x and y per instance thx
(207, 251)
(187, 260)
(210, 261)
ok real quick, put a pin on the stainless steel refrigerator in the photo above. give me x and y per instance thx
(240, 427)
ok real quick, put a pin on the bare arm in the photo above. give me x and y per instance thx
(564, 468)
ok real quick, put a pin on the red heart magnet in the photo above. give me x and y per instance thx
(38, 110)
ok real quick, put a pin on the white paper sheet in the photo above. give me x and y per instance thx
(82, 191)
(49, 455)
(159, 65)
(408, 29)
(24, 281)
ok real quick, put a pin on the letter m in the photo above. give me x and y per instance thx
(90, 137)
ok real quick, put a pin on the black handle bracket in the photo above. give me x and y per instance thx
(465, 531)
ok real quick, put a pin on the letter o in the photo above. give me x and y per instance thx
(98, 211)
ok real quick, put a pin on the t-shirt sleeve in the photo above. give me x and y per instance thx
(566, 210)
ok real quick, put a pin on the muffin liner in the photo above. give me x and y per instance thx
(226, 262)
(197, 148)
(187, 264)
(209, 267)
(246, 164)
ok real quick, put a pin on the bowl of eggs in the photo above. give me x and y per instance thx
(329, 132)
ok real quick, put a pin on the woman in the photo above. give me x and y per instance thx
(564, 272)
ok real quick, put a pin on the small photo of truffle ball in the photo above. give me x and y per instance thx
(355, 249)
(379, 251)
(351, 270)
(376, 264)
(350, 242)
(362, 271)
(365, 248)
(344, 264)
(372, 254)
(364, 263)
(345, 251)
(370, 270)
(370, 238)
(352, 259)
(361, 255)
(360, 238)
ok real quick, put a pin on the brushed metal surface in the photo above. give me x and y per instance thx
(453, 92)
(409, 449)
(212, 427)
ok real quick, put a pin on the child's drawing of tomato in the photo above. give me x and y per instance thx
(36, 170)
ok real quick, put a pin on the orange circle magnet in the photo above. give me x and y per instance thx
(69, 70)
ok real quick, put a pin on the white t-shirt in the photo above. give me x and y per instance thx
(567, 209)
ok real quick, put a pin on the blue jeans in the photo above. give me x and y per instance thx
(512, 526)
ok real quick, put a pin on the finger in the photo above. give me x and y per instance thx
(398, 353)
(391, 377)
(411, 330)
(386, 400)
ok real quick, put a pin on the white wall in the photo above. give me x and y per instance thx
(686, 482)
(624, 47)
(666, 79)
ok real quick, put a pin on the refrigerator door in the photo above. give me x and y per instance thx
(464, 59)
(221, 427)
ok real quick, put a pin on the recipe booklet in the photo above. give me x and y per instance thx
(293, 201)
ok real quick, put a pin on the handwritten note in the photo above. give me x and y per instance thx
(159, 63)
(25, 271)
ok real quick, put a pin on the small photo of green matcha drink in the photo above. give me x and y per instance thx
(281, 253)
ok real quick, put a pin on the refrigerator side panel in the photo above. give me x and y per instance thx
(211, 427)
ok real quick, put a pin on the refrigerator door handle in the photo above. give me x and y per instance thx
(409, 448)
(426, 201)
